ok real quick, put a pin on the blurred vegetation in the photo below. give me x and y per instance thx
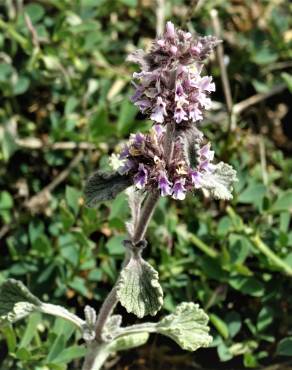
(65, 88)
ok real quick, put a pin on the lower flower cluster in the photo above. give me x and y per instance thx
(143, 159)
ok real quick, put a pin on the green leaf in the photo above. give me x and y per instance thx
(31, 329)
(127, 114)
(285, 347)
(288, 80)
(56, 348)
(16, 301)
(101, 186)
(265, 318)
(128, 341)
(187, 326)
(219, 325)
(283, 203)
(72, 198)
(138, 287)
(247, 285)
(253, 194)
(6, 200)
(115, 245)
(69, 354)
(219, 182)
(21, 85)
(35, 12)
(233, 322)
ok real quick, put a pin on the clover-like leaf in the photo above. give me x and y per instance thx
(128, 341)
(138, 287)
(104, 186)
(16, 301)
(187, 326)
(219, 182)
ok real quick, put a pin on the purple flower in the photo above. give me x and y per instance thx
(204, 100)
(195, 113)
(159, 111)
(141, 178)
(170, 30)
(179, 191)
(206, 84)
(138, 139)
(143, 104)
(196, 178)
(173, 49)
(164, 185)
(180, 115)
(125, 152)
(206, 153)
(159, 130)
(167, 84)
(126, 167)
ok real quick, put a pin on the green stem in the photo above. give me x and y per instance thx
(202, 246)
(14, 34)
(256, 240)
(261, 246)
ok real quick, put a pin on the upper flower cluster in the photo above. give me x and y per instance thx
(144, 161)
(170, 86)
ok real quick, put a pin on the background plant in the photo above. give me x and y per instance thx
(64, 83)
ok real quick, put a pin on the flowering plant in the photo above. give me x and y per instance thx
(171, 160)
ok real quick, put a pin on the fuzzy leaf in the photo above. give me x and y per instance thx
(191, 139)
(187, 326)
(219, 182)
(139, 290)
(90, 321)
(128, 341)
(112, 325)
(104, 186)
(16, 301)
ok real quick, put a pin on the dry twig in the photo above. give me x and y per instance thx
(223, 70)
(244, 104)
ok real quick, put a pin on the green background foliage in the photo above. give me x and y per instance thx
(65, 89)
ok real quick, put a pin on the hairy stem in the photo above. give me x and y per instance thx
(96, 357)
(60, 311)
(105, 312)
(152, 198)
(97, 353)
(145, 216)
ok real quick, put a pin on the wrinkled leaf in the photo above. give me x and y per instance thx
(16, 301)
(104, 186)
(187, 326)
(139, 290)
(219, 182)
(112, 325)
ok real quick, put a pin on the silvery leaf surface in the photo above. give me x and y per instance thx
(16, 301)
(111, 327)
(187, 326)
(219, 182)
(138, 287)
